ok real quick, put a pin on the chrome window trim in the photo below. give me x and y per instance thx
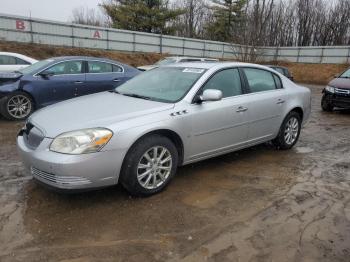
(72, 60)
(68, 60)
(106, 63)
(243, 94)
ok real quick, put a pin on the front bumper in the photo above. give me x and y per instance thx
(337, 100)
(70, 172)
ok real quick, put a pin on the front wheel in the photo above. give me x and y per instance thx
(289, 132)
(149, 166)
(16, 106)
(326, 105)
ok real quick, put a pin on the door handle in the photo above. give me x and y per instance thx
(116, 80)
(78, 82)
(241, 109)
(280, 101)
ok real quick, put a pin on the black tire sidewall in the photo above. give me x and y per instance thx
(280, 140)
(128, 177)
(326, 106)
(4, 110)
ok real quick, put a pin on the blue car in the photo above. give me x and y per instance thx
(57, 79)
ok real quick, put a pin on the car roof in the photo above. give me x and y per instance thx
(65, 58)
(26, 58)
(204, 65)
(191, 57)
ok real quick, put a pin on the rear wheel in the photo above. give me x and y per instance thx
(289, 132)
(149, 166)
(326, 105)
(16, 106)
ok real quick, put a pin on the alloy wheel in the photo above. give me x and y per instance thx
(19, 106)
(291, 131)
(154, 167)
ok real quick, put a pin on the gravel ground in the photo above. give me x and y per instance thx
(257, 204)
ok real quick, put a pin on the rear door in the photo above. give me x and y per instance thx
(219, 126)
(63, 82)
(102, 76)
(266, 103)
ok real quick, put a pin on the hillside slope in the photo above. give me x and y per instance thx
(303, 73)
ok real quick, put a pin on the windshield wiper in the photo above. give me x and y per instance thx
(18, 72)
(136, 96)
(344, 76)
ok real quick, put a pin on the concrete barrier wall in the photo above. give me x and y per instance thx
(37, 31)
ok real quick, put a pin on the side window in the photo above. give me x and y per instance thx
(228, 81)
(117, 68)
(100, 67)
(278, 82)
(66, 68)
(259, 80)
(286, 73)
(7, 60)
(21, 62)
(280, 70)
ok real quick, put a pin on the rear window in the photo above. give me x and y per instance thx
(260, 80)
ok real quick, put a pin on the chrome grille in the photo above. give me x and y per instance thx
(340, 91)
(32, 136)
(61, 180)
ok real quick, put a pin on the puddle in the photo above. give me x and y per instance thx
(304, 150)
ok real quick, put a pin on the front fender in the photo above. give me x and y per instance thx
(9, 88)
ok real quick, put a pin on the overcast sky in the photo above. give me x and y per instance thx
(60, 10)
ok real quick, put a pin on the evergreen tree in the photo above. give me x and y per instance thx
(226, 14)
(151, 16)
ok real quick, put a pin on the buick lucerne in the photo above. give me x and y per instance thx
(139, 134)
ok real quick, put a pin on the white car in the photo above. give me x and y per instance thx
(10, 62)
(176, 59)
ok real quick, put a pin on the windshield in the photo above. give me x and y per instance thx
(34, 67)
(346, 74)
(166, 61)
(166, 84)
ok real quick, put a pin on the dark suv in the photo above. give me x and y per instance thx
(337, 93)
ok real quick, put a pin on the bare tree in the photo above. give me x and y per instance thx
(86, 16)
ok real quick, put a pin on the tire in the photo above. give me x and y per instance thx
(136, 165)
(16, 106)
(326, 105)
(292, 126)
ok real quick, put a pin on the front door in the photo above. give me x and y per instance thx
(62, 83)
(220, 126)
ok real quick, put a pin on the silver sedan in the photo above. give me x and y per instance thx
(139, 134)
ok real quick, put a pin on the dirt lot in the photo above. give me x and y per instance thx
(254, 205)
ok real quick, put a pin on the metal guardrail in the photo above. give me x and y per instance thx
(29, 30)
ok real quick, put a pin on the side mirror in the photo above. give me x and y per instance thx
(46, 74)
(211, 95)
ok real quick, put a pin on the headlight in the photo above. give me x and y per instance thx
(330, 89)
(81, 141)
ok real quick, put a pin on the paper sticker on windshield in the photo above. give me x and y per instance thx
(193, 70)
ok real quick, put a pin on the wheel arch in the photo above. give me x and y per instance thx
(298, 110)
(170, 134)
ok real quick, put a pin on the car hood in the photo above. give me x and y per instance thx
(6, 78)
(97, 110)
(340, 83)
